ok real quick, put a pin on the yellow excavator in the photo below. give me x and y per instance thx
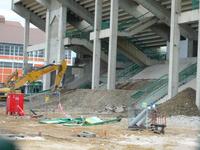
(14, 83)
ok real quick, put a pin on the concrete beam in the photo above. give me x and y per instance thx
(188, 16)
(174, 49)
(101, 34)
(45, 3)
(162, 30)
(134, 53)
(137, 11)
(134, 9)
(140, 26)
(164, 15)
(24, 12)
(79, 10)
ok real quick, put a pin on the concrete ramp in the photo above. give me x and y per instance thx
(134, 53)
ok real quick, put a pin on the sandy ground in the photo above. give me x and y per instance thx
(113, 136)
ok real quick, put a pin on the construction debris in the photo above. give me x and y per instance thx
(87, 134)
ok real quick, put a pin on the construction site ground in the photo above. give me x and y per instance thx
(182, 132)
(113, 136)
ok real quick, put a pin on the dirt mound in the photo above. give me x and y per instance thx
(182, 104)
(89, 101)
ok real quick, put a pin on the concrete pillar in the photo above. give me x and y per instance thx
(112, 45)
(55, 33)
(174, 49)
(198, 68)
(96, 45)
(190, 48)
(26, 43)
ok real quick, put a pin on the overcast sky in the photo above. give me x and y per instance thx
(5, 10)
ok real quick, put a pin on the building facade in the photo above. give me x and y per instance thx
(11, 49)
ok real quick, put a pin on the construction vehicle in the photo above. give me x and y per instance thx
(12, 78)
(33, 76)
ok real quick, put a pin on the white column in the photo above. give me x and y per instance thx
(198, 67)
(112, 44)
(174, 49)
(96, 45)
(61, 32)
(46, 78)
(26, 43)
(55, 32)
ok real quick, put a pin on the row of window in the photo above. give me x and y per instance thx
(17, 50)
(11, 49)
(39, 53)
(12, 65)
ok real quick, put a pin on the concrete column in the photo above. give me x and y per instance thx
(26, 43)
(46, 78)
(190, 48)
(55, 33)
(112, 44)
(198, 68)
(174, 49)
(96, 45)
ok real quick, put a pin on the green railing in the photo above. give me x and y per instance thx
(124, 74)
(124, 24)
(77, 34)
(195, 4)
(155, 90)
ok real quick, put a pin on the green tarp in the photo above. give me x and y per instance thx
(71, 122)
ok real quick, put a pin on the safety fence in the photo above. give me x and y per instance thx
(45, 103)
(155, 90)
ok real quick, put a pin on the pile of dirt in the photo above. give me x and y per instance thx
(90, 101)
(182, 104)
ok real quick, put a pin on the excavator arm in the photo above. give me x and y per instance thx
(12, 78)
(37, 74)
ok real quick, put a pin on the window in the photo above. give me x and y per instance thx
(1, 49)
(7, 50)
(16, 51)
(41, 53)
(8, 64)
(1, 64)
(21, 51)
(12, 50)
(18, 65)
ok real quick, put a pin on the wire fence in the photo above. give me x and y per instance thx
(45, 103)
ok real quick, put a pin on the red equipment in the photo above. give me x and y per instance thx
(15, 104)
